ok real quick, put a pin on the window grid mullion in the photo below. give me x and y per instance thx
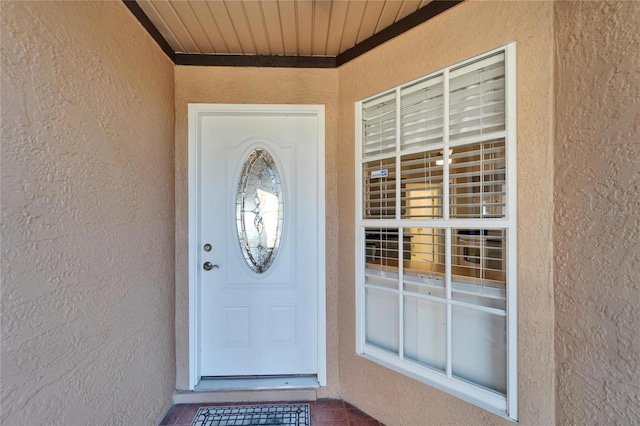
(401, 292)
(481, 166)
(445, 149)
(398, 165)
(400, 228)
(446, 218)
(447, 283)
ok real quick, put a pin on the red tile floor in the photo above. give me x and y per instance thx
(324, 412)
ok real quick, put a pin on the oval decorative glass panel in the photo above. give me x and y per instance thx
(259, 210)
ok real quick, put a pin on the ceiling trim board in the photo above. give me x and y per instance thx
(410, 21)
(274, 61)
(144, 20)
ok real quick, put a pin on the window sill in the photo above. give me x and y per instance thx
(483, 398)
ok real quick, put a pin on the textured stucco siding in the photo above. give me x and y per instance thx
(466, 30)
(597, 212)
(256, 86)
(87, 217)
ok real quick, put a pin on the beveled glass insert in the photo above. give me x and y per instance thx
(259, 210)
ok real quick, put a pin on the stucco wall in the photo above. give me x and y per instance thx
(466, 30)
(256, 86)
(597, 217)
(87, 217)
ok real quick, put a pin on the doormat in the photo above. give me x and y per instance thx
(249, 415)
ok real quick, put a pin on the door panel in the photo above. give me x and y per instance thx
(257, 323)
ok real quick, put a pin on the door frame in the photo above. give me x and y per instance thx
(196, 111)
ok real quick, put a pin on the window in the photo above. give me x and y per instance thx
(436, 222)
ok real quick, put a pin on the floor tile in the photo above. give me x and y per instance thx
(330, 423)
(355, 414)
(329, 404)
(171, 416)
(329, 415)
(188, 413)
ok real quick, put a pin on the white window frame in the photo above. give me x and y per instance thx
(505, 406)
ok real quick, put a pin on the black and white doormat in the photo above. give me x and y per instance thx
(249, 415)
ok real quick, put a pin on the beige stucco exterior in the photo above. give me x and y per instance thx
(597, 212)
(87, 217)
(94, 209)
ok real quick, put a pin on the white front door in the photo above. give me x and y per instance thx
(256, 317)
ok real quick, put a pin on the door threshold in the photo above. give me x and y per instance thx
(237, 396)
(257, 383)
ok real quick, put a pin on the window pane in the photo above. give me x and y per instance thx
(379, 189)
(477, 181)
(379, 125)
(382, 249)
(421, 183)
(424, 259)
(422, 112)
(382, 320)
(477, 98)
(479, 348)
(478, 270)
(381, 257)
(425, 332)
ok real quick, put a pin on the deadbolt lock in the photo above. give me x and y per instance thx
(207, 247)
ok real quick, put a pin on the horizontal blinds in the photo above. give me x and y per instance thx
(477, 98)
(379, 189)
(479, 266)
(477, 187)
(382, 253)
(379, 125)
(421, 185)
(422, 113)
(425, 257)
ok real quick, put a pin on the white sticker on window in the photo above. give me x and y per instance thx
(379, 173)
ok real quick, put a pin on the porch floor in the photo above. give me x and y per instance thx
(324, 412)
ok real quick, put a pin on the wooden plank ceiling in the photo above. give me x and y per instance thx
(321, 28)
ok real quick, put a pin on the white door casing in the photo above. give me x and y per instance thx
(242, 322)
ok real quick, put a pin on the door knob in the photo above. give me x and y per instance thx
(209, 266)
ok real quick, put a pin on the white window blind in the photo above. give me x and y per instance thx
(421, 185)
(379, 183)
(379, 125)
(478, 184)
(477, 98)
(424, 266)
(383, 251)
(422, 113)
